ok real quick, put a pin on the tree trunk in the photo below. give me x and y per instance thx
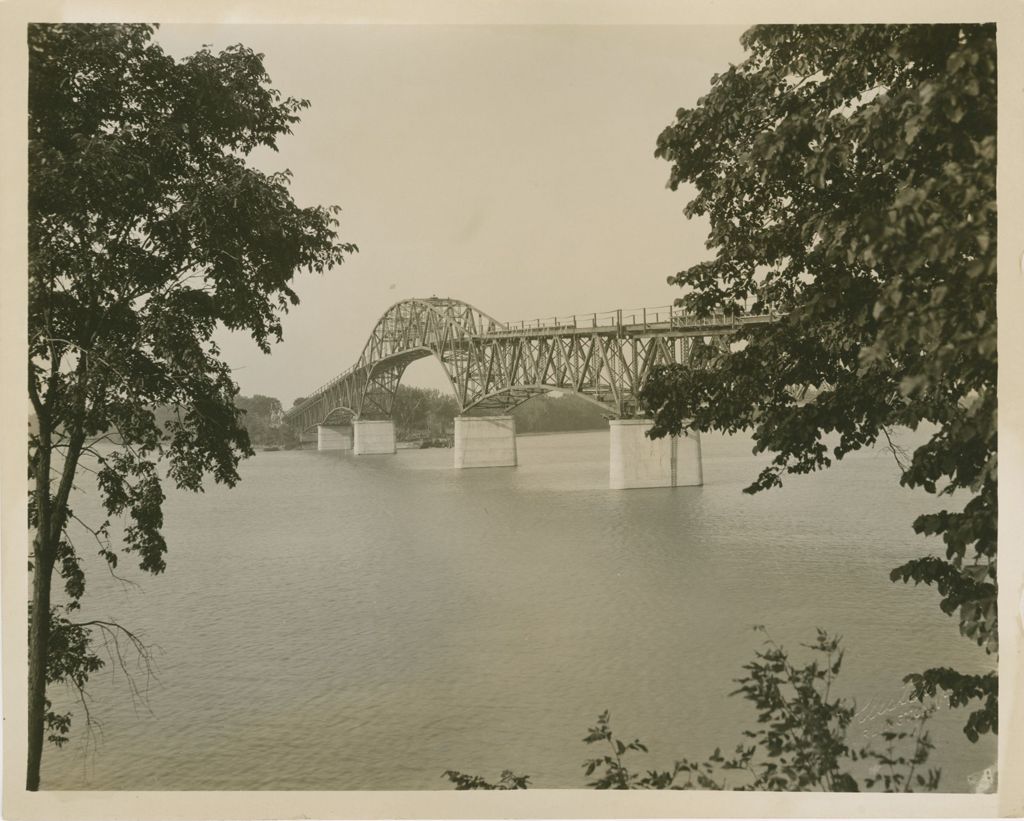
(51, 513)
(38, 651)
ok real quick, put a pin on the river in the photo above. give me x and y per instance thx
(359, 623)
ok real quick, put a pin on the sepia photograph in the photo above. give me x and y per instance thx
(473, 406)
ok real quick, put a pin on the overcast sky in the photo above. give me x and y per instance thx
(511, 167)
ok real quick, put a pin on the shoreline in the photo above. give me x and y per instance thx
(560, 432)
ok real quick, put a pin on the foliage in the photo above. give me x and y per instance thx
(264, 421)
(419, 412)
(71, 660)
(568, 412)
(508, 781)
(799, 743)
(849, 177)
(262, 418)
(147, 231)
(963, 689)
(616, 776)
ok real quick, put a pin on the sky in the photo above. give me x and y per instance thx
(511, 167)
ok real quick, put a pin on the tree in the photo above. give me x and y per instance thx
(147, 231)
(419, 411)
(568, 412)
(265, 407)
(848, 174)
(264, 420)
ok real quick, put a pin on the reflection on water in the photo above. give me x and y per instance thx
(340, 622)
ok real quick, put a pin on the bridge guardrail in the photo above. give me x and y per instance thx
(656, 317)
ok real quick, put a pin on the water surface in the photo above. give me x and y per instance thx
(343, 623)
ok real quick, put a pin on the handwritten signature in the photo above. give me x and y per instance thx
(878, 715)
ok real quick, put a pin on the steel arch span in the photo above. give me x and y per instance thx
(494, 366)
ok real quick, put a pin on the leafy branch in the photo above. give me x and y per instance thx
(798, 744)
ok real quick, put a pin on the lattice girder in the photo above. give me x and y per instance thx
(493, 366)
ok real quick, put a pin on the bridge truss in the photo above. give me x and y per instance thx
(494, 366)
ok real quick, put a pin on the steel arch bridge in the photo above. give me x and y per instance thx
(494, 366)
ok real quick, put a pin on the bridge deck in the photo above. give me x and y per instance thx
(589, 324)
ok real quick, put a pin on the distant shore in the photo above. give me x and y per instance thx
(559, 432)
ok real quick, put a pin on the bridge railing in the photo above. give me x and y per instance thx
(315, 394)
(664, 316)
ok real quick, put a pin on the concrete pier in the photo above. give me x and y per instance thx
(372, 437)
(334, 437)
(636, 461)
(485, 441)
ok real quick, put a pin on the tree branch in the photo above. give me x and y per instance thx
(111, 632)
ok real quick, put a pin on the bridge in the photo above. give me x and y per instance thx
(494, 366)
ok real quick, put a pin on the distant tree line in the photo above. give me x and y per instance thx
(264, 421)
(420, 413)
(552, 413)
(262, 417)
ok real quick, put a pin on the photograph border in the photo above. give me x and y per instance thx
(14, 407)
